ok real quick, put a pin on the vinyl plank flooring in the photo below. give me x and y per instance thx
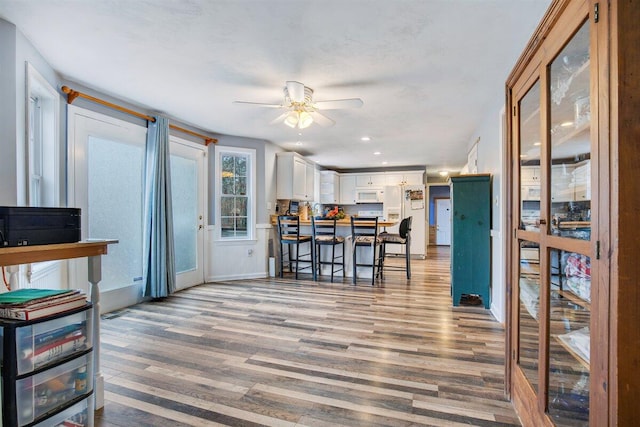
(286, 352)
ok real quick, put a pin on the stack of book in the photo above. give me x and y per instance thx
(29, 304)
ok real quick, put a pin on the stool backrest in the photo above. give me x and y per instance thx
(289, 227)
(323, 227)
(364, 226)
(405, 227)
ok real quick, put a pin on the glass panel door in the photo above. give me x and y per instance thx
(569, 352)
(114, 211)
(529, 314)
(570, 115)
(105, 180)
(530, 178)
(187, 188)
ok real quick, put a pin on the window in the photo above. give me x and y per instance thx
(35, 151)
(41, 185)
(235, 169)
(42, 103)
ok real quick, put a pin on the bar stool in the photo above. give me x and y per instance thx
(324, 234)
(289, 232)
(403, 237)
(364, 232)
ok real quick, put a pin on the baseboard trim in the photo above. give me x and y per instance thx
(260, 275)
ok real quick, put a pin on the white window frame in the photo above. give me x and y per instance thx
(47, 138)
(251, 183)
(42, 139)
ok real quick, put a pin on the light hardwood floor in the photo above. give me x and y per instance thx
(291, 352)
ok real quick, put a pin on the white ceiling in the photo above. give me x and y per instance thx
(429, 72)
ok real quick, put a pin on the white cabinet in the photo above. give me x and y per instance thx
(530, 175)
(329, 187)
(403, 178)
(562, 187)
(530, 183)
(582, 181)
(348, 189)
(295, 177)
(370, 180)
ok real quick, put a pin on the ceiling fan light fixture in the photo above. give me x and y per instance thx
(305, 120)
(292, 119)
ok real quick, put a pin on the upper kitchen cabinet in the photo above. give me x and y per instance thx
(329, 187)
(347, 189)
(295, 177)
(370, 180)
(403, 178)
(573, 130)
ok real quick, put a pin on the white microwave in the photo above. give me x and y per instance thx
(369, 195)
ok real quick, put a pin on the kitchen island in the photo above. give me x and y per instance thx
(343, 230)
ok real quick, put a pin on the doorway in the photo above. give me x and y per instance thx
(443, 222)
(187, 194)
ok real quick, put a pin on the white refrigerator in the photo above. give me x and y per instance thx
(401, 201)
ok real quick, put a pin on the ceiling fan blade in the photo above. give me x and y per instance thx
(321, 119)
(279, 119)
(336, 104)
(259, 104)
(296, 91)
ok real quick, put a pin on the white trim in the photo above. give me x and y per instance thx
(236, 242)
(497, 235)
(36, 84)
(260, 275)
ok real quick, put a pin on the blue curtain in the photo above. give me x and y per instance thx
(159, 264)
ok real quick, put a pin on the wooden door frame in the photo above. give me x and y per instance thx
(557, 27)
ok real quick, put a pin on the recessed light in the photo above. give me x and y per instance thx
(377, 153)
(443, 173)
(298, 143)
(384, 163)
(300, 133)
(365, 138)
(566, 124)
(537, 143)
(522, 156)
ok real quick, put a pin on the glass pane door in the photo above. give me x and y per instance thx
(530, 177)
(187, 182)
(569, 351)
(115, 178)
(570, 115)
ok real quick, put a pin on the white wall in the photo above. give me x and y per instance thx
(8, 194)
(490, 160)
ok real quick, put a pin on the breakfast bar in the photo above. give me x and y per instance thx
(343, 230)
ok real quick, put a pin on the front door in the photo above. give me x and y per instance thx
(187, 194)
(105, 180)
(443, 222)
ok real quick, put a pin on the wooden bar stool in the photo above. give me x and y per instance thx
(324, 234)
(364, 232)
(289, 232)
(403, 237)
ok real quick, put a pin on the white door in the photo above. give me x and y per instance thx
(443, 222)
(187, 195)
(105, 180)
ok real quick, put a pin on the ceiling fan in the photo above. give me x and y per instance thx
(302, 110)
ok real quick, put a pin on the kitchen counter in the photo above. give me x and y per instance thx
(345, 222)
